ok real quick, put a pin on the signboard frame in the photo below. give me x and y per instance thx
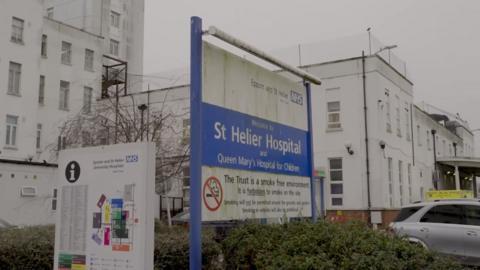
(196, 119)
(105, 212)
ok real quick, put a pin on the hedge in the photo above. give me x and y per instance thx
(253, 246)
(32, 248)
(325, 246)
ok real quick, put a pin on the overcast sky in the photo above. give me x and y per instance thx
(438, 39)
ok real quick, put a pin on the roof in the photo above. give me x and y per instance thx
(472, 163)
(30, 163)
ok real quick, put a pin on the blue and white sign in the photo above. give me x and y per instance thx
(254, 140)
(239, 141)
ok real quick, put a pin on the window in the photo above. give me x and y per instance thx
(409, 177)
(407, 121)
(43, 50)
(444, 148)
(333, 115)
(114, 19)
(186, 176)
(388, 114)
(472, 215)
(336, 181)
(87, 99)
(450, 214)
(89, 60)
(54, 199)
(450, 150)
(41, 90)
(64, 94)
(406, 213)
(390, 181)
(66, 53)
(14, 75)
(419, 136)
(17, 30)
(186, 131)
(50, 12)
(399, 128)
(429, 147)
(400, 181)
(114, 47)
(11, 138)
(39, 136)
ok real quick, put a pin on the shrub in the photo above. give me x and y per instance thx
(29, 248)
(324, 246)
(32, 248)
(172, 248)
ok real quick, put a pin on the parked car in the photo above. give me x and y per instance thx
(450, 227)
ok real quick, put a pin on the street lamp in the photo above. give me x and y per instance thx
(386, 48)
(142, 109)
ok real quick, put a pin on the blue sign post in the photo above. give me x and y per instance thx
(195, 143)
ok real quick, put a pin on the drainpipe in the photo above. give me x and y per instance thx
(366, 129)
(434, 155)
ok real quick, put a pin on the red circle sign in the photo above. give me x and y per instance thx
(212, 193)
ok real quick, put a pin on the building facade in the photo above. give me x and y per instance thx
(50, 71)
(374, 145)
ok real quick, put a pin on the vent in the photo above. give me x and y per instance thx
(28, 191)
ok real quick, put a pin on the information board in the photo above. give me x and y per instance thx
(255, 159)
(105, 218)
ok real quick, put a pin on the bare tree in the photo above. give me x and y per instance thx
(126, 119)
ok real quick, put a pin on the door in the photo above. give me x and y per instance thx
(444, 229)
(472, 234)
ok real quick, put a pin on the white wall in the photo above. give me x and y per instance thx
(20, 210)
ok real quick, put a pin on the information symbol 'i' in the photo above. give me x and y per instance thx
(72, 171)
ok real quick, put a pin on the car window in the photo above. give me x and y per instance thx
(450, 214)
(406, 213)
(472, 215)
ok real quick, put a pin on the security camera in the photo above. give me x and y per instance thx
(382, 144)
(348, 146)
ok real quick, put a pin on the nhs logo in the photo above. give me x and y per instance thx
(131, 158)
(296, 97)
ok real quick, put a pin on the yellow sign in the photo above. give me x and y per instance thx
(448, 194)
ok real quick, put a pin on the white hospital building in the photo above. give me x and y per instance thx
(52, 60)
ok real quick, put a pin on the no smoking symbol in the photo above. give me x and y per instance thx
(212, 193)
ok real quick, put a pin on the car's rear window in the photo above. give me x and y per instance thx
(406, 213)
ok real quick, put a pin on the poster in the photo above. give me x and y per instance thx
(105, 218)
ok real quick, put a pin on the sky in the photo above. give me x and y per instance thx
(438, 39)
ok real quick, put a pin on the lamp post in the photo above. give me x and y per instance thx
(142, 109)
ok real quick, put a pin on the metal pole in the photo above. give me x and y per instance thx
(364, 78)
(195, 143)
(116, 114)
(141, 126)
(262, 55)
(310, 152)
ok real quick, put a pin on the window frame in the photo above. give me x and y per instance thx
(17, 34)
(38, 138)
(334, 125)
(336, 199)
(87, 99)
(14, 78)
(89, 59)
(64, 96)
(114, 47)
(41, 90)
(66, 53)
(11, 130)
(114, 19)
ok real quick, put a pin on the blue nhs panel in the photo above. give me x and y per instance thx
(240, 141)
